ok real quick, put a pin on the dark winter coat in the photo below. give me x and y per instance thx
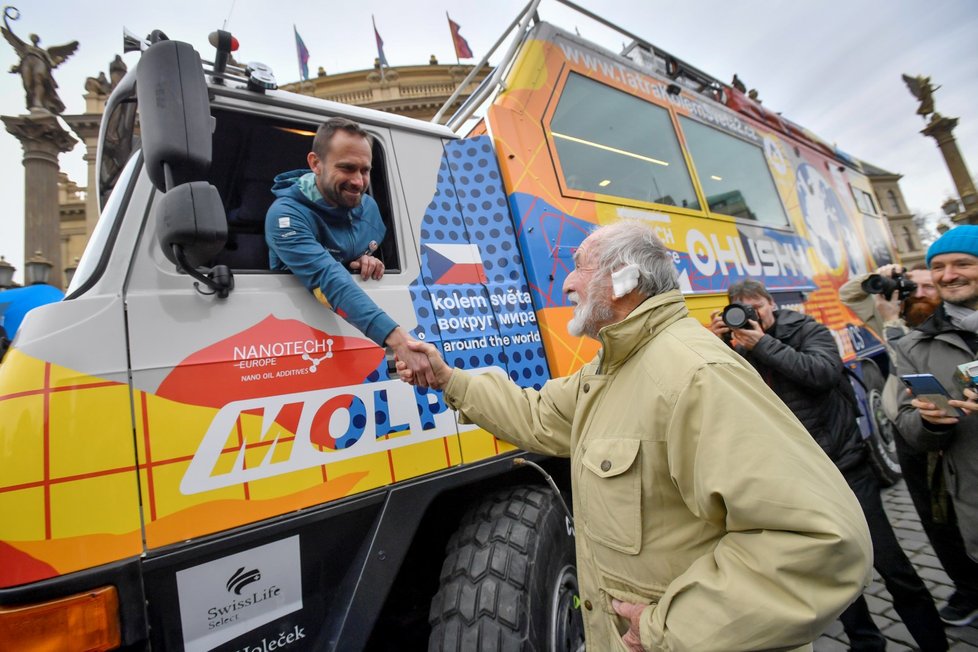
(799, 360)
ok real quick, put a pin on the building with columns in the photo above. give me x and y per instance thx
(413, 91)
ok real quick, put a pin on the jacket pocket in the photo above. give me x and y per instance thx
(611, 497)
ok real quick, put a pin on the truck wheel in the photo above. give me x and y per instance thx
(883, 433)
(509, 580)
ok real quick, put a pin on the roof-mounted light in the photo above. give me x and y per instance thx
(224, 44)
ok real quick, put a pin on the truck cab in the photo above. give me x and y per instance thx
(227, 462)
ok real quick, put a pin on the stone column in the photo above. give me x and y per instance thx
(939, 128)
(43, 139)
(86, 127)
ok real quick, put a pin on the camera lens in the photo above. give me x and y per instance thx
(737, 315)
(735, 318)
(876, 284)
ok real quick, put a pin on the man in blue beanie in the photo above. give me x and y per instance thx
(947, 339)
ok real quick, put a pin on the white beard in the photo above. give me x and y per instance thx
(588, 318)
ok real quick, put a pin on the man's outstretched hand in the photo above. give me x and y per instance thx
(413, 360)
(441, 373)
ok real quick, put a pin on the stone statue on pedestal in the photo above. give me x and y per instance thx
(35, 66)
(921, 88)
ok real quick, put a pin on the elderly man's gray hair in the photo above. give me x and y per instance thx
(630, 242)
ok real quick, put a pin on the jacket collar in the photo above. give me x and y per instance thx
(786, 323)
(620, 340)
(937, 323)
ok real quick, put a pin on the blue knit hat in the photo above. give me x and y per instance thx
(959, 240)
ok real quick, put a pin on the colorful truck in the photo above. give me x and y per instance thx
(197, 454)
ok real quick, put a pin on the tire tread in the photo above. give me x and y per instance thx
(479, 603)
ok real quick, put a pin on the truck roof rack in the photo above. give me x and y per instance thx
(521, 26)
(643, 54)
(648, 55)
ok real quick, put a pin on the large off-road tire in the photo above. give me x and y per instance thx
(509, 580)
(883, 433)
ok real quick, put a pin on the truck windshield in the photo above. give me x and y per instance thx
(92, 261)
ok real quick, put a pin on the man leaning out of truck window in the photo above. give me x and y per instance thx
(707, 518)
(322, 224)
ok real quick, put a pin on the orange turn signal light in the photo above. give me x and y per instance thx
(85, 621)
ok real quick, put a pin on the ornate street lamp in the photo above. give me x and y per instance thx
(6, 274)
(951, 207)
(37, 269)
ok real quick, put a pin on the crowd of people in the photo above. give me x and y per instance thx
(647, 340)
(732, 507)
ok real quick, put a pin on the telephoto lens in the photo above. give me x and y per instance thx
(738, 315)
(877, 284)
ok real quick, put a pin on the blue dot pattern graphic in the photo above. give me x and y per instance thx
(358, 419)
(473, 295)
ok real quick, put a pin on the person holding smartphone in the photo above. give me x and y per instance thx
(947, 339)
(799, 359)
(892, 317)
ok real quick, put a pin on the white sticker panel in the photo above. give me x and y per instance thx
(227, 597)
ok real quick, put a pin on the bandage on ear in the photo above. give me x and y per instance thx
(624, 280)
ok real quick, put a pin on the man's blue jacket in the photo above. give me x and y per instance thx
(317, 242)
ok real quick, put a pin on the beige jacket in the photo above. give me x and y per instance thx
(863, 305)
(696, 491)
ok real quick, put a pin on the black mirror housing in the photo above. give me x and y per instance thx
(191, 216)
(174, 114)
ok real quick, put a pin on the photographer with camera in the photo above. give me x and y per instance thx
(799, 359)
(892, 301)
(943, 344)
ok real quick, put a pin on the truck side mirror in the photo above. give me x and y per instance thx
(174, 114)
(192, 228)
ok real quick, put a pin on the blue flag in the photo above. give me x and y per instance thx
(302, 53)
(380, 46)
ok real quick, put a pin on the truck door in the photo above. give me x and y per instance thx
(474, 275)
(267, 401)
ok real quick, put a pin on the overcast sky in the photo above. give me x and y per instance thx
(832, 66)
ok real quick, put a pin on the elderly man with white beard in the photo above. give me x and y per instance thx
(706, 516)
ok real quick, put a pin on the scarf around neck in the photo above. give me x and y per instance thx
(962, 317)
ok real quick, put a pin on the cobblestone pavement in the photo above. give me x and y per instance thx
(907, 526)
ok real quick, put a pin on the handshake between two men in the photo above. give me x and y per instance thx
(440, 374)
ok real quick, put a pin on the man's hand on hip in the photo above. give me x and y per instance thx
(633, 613)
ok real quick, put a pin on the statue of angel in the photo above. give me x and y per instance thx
(921, 88)
(35, 66)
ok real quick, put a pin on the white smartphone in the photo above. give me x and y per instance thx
(927, 387)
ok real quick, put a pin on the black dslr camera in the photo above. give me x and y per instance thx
(738, 315)
(878, 284)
